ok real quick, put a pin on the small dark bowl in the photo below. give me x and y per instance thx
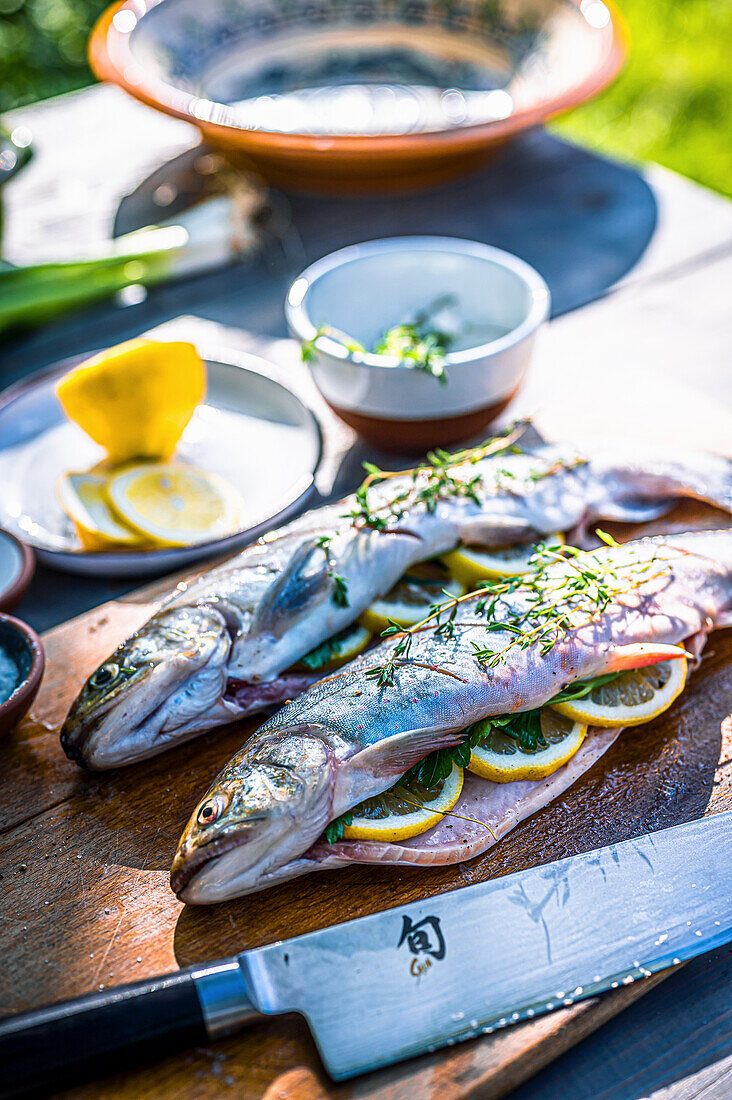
(24, 647)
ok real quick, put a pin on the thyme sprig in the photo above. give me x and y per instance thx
(414, 343)
(339, 595)
(426, 485)
(554, 603)
(309, 347)
(418, 346)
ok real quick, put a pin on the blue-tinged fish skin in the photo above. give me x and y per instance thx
(666, 590)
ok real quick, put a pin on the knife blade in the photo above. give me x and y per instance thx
(382, 988)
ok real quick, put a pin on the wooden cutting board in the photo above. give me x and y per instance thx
(84, 867)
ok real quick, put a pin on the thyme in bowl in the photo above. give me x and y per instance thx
(309, 347)
(418, 347)
(414, 343)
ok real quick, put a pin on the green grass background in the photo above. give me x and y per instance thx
(671, 104)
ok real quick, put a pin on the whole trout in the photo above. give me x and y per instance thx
(354, 734)
(224, 646)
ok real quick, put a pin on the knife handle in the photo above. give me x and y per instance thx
(61, 1045)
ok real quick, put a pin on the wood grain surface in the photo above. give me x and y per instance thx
(84, 898)
(85, 862)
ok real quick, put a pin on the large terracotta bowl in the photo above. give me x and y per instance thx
(359, 94)
(495, 302)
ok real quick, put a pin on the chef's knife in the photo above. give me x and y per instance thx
(385, 987)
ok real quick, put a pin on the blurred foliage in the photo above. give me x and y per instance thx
(43, 47)
(673, 101)
(671, 104)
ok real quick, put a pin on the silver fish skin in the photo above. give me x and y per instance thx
(275, 601)
(346, 738)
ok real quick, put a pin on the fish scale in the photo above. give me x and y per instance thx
(352, 736)
(278, 600)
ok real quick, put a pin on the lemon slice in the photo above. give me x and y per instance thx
(404, 810)
(173, 504)
(337, 650)
(135, 399)
(500, 757)
(473, 564)
(634, 697)
(84, 498)
(410, 599)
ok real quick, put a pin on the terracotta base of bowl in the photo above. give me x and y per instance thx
(341, 173)
(415, 436)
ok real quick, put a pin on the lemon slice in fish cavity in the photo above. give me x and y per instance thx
(405, 810)
(499, 756)
(409, 601)
(473, 564)
(174, 504)
(84, 498)
(634, 697)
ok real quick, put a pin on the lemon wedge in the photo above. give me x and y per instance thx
(135, 399)
(473, 564)
(409, 601)
(84, 498)
(335, 651)
(500, 757)
(404, 810)
(633, 697)
(173, 504)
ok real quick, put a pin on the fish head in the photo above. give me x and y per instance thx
(159, 687)
(273, 799)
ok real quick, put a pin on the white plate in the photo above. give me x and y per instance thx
(250, 429)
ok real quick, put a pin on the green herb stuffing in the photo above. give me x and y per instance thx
(334, 831)
(525, 727)
(328, 650)
(581, 688)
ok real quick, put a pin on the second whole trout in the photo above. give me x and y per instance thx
(353, 735)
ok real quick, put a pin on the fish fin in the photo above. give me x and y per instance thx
(397, 754)
(639, 654)
(302, 583)
(695, 643)
(647, 473)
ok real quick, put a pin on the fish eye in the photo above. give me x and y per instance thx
(104, 675)
(211, 810)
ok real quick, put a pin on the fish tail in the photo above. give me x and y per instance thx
(646, 484)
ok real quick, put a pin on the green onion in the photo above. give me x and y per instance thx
(210, 234)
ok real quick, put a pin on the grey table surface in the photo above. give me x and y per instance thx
(638, 264)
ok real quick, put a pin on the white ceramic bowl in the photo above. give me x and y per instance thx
(499, 301)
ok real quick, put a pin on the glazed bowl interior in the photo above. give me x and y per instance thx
(18, 648)
(358, 67)
(365, 290)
